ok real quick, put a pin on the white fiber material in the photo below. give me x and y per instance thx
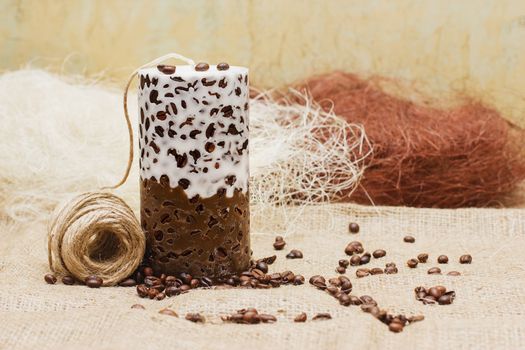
(65, 135)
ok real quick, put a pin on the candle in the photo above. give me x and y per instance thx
(193, 144)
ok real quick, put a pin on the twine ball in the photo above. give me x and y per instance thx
(95, 233)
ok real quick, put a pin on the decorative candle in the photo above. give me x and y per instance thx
(193, 143)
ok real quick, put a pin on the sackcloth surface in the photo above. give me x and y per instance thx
(488, 313)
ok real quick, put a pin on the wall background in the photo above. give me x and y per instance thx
(476, 46)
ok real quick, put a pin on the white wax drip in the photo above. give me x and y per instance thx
(232, 88)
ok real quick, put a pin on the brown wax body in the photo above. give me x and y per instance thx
(201, 236)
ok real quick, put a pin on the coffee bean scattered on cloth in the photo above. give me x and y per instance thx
(486, 314)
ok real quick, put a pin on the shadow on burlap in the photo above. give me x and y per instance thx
(488, 313)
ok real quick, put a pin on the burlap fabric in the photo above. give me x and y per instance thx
(489, 311)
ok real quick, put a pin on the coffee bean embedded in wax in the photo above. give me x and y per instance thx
(202, 67)
(166, 69)
(223, 66)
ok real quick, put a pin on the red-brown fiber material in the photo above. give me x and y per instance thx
(425, 156)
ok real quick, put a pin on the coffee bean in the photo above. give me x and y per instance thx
(142, 291)
(287, 276)
(265, 318)
(298, 280)
(454, 273)
(335, 281)
(343, 279)
(147, 271)
(268, 260)
(184, 288)
(442, 259)
(332, 290)
(195, 283)
(446, 299)
(367, 307)
(442, 289)
(223, 66)
(423, 257)
(428, 300)
(261, 265)
(152, 281)
(355, 260)
(138, 306)
(68, 280)
(362, 273)
(355, 300)
(251, 317)
(434, 271)
(279, 243)
(379, 253)
(128, 282)
(50, 278)
(168, 312)
(366, 299)
(416, 318)
(412, 263)
(391, 269)
(139, 277)
(465, 259)
(172, 291)
(376, 271)
(344, 263)
(346, 287)
(349, 250)
(205, 282)
(160, 296)
(318, 281)
(202, 66)
(344, 300)
(185, 277)
(353, 227)
(409, 239)
(195, 317)
(420, 289)
(300, 318)
(294, 254)
(365, 259)
(435, 292)
(152, 293)
(340, 269)
(421, 295)
(322, 316)
(93, 281)
(166, 69)
(395, 327)
(374, 310)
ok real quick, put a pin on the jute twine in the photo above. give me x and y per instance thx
(97, 233)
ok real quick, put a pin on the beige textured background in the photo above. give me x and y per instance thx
(476, 46)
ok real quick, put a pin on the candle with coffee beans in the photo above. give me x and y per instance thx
(193, 143)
